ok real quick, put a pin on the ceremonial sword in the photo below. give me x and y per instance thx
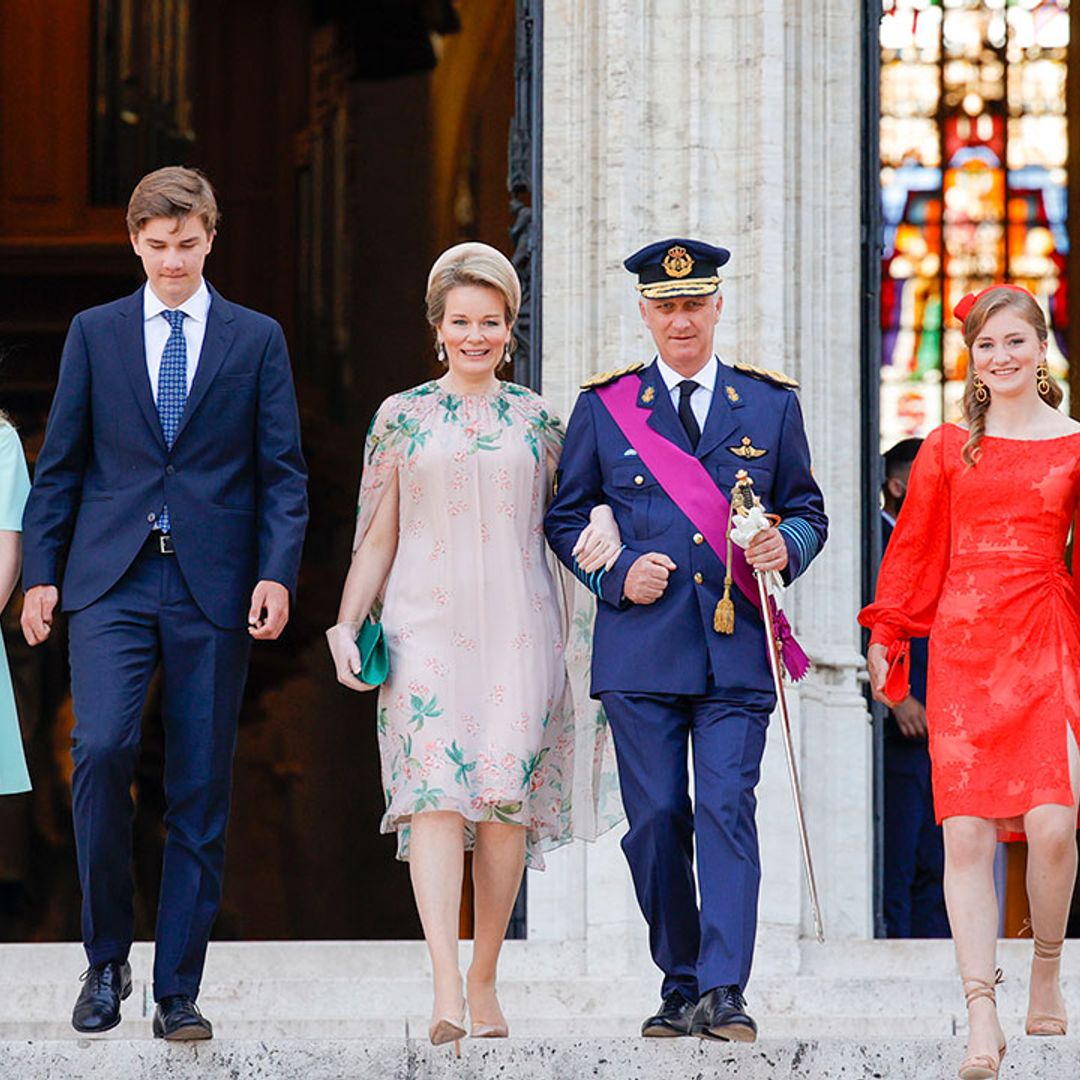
(743, 500)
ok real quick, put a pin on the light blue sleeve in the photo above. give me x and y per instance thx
(14, 479)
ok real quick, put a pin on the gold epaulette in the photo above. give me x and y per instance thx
(777, 377)
(601, 378)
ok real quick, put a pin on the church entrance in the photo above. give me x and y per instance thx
(349, 144)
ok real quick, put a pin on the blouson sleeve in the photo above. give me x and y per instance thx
(382, 456)
(913, 570)
(14, 479)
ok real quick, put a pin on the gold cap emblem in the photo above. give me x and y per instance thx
(677, 262)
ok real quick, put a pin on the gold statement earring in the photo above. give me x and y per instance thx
(1042, 379)
(982, 395)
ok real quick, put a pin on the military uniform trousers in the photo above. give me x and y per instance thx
(696, 948)
(116, 643)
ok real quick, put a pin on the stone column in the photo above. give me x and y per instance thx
(735, 121)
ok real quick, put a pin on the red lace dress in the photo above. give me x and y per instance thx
(977, 560)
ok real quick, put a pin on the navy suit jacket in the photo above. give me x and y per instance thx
(670, 646)
(235, 480)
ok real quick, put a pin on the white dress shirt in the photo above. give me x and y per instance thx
(156, 331)
(701, 398)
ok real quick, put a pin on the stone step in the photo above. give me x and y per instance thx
(282, 998)
(137, 1026)
(537, 1059)
(521, 959)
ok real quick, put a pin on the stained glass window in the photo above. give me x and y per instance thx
(973, 186)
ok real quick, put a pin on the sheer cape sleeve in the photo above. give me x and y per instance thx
(596, 803)
(913, 570)
(384, 447)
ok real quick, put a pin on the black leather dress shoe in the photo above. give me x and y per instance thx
(97, 1008)
(721, 1014)
(178, 1018)
(672, 1020)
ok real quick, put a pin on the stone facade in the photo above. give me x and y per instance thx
(737, 121)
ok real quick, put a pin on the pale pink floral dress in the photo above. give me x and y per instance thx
(477, 715)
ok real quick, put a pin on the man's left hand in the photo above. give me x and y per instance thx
(269, 610)
(767, 551)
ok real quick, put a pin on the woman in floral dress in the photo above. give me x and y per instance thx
(977, 560)
(475, 724)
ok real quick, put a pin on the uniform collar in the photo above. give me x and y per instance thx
(705, 378)
(196, 306)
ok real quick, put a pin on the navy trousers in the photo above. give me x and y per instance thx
(696, 948)
(148, 617)
(914, 899)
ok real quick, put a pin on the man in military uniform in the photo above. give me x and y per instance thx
(646, 440)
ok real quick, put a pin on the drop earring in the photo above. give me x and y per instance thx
(982, 394)
(1042, 379)
(440, 352)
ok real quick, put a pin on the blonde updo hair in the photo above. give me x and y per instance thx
(472, 264)
(988, 304)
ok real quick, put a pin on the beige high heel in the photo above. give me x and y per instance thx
(445, 1030)
(480, 1030)
(981, 1066)
(1046, 1023)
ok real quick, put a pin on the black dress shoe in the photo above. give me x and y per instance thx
(721, 1014)
(672, 1020)
(178, 1018)
(97, 1008)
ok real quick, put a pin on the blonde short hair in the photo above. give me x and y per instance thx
(472, 264)
(173, 192)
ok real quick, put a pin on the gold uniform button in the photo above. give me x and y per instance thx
(698, 538)
(639, 479)
(698, 579)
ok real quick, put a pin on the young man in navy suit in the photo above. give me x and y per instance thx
(666, 665)
(172, 482)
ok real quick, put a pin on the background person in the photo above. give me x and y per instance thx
(14, 488)
(914, 900)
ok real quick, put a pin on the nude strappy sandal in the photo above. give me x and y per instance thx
(1046, 1023)
(981, 1066)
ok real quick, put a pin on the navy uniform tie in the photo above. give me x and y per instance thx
(686, 414)
(172, 390)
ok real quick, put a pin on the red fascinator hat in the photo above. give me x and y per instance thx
(964, 306)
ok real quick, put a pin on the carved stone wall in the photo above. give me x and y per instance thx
(736, 121)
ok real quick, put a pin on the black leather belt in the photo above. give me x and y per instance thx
(161, 543)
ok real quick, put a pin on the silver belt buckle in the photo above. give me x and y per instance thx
(165, 544)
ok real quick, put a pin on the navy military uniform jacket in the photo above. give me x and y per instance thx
(670, 646)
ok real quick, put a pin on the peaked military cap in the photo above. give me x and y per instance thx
(677, 268)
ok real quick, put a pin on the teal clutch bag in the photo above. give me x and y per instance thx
(374, 655)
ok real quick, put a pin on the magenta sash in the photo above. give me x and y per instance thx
(688, 484)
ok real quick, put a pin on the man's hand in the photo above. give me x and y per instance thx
(647, 578)
(37, 613)
(269, 610)
(767, 551)
(911, 718)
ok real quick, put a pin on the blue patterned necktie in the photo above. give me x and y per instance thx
(172, 389)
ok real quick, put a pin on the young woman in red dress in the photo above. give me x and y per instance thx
(977, 560)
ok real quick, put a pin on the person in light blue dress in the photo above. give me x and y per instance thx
(14, 488)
